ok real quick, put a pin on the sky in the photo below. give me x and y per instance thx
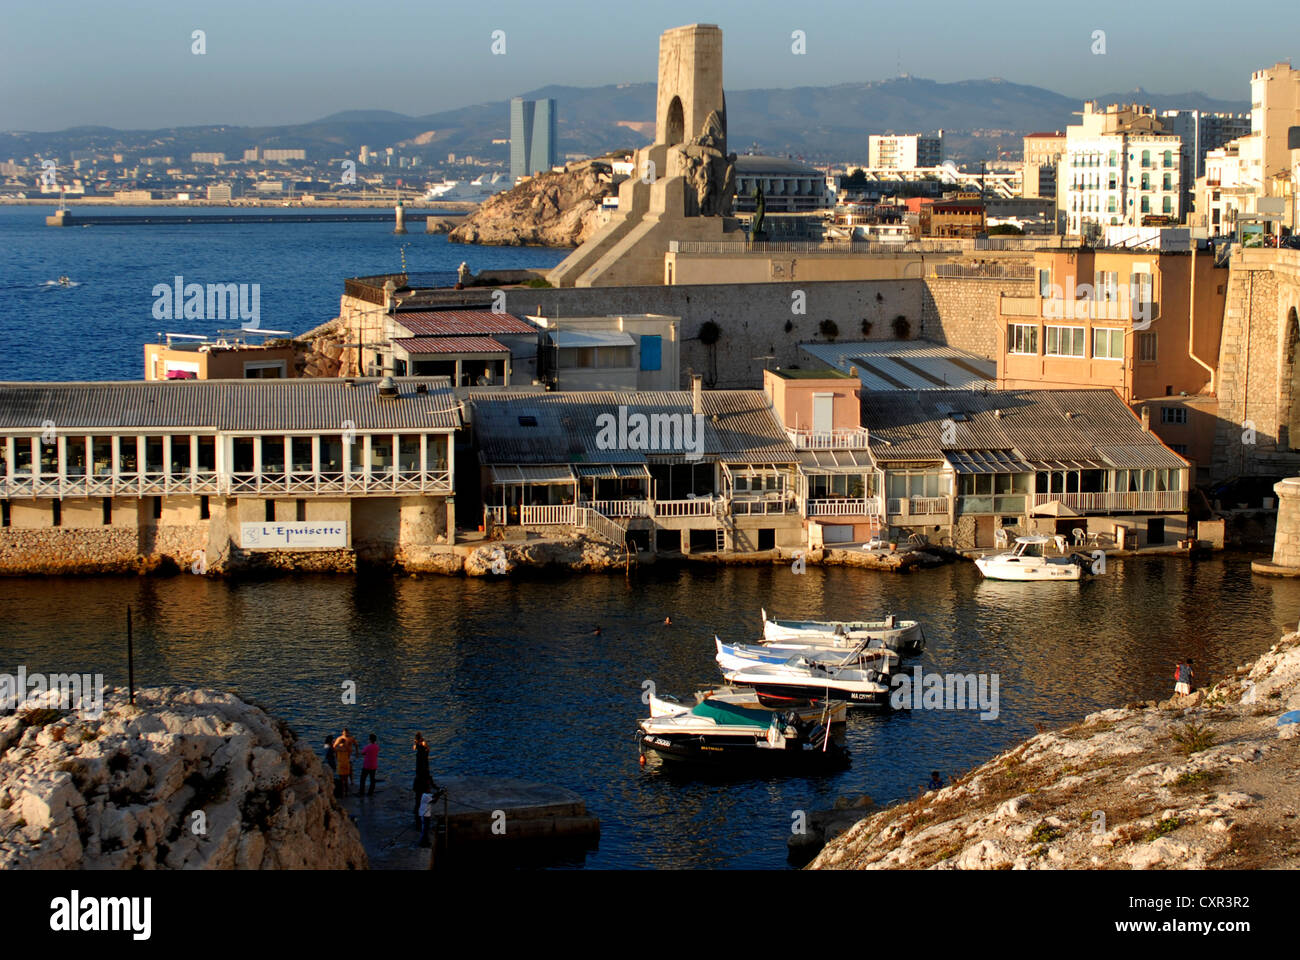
(130, 63)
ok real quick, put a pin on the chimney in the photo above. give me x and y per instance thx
(697, 393)
(1146, 420)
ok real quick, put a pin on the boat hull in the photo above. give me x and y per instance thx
(906, 638)
(994, 568)
(735, 753)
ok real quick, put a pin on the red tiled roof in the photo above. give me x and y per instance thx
(422, 345)
(461, 323)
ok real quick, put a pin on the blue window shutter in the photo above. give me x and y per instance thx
(651, 352)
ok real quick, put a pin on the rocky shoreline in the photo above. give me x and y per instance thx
(555, 209)
(1208, 780)
(184, 779)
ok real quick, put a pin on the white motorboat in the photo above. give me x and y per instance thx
(901, 636)
(799, 681)
(1029, 560)
(866, 653)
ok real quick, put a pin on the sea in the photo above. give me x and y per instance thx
(96, 327)
(510, 678)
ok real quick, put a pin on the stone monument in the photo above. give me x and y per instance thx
(684, 183)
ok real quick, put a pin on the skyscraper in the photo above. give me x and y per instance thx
(532, 136)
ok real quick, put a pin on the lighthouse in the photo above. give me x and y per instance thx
(400, 212)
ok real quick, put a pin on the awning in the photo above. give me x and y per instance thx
(835, 461)
(592, 338)
(549, 473)
(614, 471)
(1063, 466)
(1054, 508)
(987, 461)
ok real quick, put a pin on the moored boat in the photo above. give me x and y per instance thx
(866, 653)
(1029, 560)
(718, 734)
(831, 711)
(799, 681)
(901, 636)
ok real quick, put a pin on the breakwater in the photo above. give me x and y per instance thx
(65, 218)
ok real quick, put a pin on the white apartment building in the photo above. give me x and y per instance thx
(1258, 166)
(1120, 168)
(904, 151)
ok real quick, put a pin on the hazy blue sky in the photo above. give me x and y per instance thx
(127, 63)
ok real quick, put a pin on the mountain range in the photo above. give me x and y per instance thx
(816, 123)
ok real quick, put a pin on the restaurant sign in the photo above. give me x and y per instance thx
(293, 535)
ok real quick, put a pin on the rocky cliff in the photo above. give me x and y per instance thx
(185, 779)
(1206, 780)
(551, 210)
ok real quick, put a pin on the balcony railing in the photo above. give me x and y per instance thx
(687, 508)
(844, 507)
(621, 508)
(917, 506)
(762, 505)
(1153, 501)
(846, 439)
(564, 514)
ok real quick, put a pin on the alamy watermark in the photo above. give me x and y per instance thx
(82, 692)
(179, 300)
(951, 691)
(658, 432)
(1085, 301)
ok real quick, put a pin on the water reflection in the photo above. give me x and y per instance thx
(509, 678)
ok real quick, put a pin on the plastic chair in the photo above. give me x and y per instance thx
(1080, 536)
(1000, 537)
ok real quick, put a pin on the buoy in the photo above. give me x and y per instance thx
(643, 759)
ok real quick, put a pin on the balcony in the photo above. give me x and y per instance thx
(917, 506)
(621, 508)
(844, 507)
(699, 507)
(849, 439)
(1150, 501)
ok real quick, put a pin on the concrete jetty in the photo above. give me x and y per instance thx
(482, 820)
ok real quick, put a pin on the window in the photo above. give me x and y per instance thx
(1146, 159)
(1167, 205)
(1173, 414)
(1105, 286)
(1169, 158)
(1107, 343)
(1045, 284)
(1022, 338)
(1168, 182)
(1065, 341)
(1146, 181)
(1146, 204)
(1147, 347)
(1179, 448)
(1114, 161)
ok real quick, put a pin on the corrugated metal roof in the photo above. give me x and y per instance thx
(461, 323)
(229, 405)
(739, 426)
(614, 471)
(427, 345)
(906, 364)
(550, 473)
(1068, 428)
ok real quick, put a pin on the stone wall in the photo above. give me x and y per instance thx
(752, 316)
(1259, 368)
(963, 312)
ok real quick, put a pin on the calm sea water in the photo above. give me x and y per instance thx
(96, 329)
(507, 678)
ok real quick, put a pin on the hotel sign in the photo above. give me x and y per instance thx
(294, 535)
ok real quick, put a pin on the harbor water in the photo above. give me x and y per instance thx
(508, 678)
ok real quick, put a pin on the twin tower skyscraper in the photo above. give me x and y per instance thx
(532, 137)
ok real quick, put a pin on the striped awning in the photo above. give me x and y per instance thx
(614, 471)
(549, 473)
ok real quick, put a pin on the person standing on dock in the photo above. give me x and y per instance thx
(369, 766)
(1183, 678)
(344, 748)
(423, 783)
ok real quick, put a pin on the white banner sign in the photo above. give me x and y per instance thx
(294, 535)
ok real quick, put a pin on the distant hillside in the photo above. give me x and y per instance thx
(816, 123)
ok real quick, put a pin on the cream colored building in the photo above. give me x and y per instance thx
(1120, 168)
